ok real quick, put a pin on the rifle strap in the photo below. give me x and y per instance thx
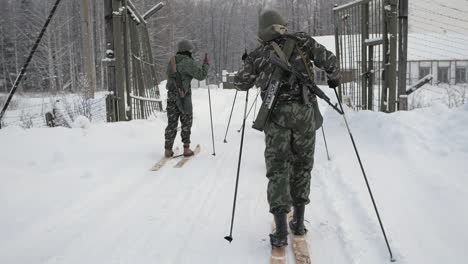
(173, 65)
(284, 54)
(309, 72)
(178, 82)
(306, 64)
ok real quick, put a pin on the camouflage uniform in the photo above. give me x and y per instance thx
(178, 107)
(290, 131)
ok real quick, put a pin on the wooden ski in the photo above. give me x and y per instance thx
(184, 160)
(278, 255)
(158, 165)
(300, 246)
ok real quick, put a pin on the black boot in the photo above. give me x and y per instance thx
(297, 223)
(280, 237)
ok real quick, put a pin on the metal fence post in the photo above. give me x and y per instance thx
(337, 46)
(364, 66)
(370, 79)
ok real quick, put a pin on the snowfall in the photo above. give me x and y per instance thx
(87, 195)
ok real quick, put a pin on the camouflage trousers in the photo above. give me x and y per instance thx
(289, 155)
(173, 116)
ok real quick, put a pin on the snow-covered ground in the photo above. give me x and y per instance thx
(87, 195)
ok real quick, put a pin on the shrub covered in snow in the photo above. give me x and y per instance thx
(81, 122)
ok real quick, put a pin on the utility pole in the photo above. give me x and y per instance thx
(402, 54)
(89, 66)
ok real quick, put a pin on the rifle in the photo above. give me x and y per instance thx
(297, 76)
(267, 106)
(273, 88)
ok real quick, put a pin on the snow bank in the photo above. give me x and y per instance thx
(87, 195)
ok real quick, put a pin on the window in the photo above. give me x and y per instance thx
(460, 75)
(423, 71)
(442, 75)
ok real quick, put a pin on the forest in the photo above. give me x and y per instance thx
(222, 28)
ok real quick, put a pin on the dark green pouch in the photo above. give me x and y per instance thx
(317, 115)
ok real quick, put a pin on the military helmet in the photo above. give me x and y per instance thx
(271, 25)
(184, 45)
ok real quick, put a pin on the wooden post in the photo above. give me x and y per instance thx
(88, 49)
(118, 17)
(127, 57)
(390, 55)
(402, 56)
(114, 13)
(111, 105)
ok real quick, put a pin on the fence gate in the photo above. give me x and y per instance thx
(134, 92)
(366, 46)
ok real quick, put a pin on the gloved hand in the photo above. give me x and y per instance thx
(333, 83)
(245, 55)
(206, 60)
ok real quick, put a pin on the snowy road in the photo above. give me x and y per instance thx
(87, 195)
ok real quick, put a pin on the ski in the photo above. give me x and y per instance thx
(158, 165)
(300, 246)
(184, 160)
(278, 255)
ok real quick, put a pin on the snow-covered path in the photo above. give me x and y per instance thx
(87, 195)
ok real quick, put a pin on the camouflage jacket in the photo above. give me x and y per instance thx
(257, 70)
(187, 69)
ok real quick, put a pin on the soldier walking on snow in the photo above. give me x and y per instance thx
(290, 130)
(181, 70)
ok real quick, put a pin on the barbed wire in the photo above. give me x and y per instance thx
(439, 38)
(438, 48)
(432, 53)
(429, 22)
(423, 9)
(449, 7)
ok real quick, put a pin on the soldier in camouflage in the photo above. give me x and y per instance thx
(181, 70)
(290, 130)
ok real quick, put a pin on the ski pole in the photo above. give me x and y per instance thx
(211, 119)
(229, 238)
(28, 60)
(365, 178)
(255, 101)
(325, 140)
(229, 122)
